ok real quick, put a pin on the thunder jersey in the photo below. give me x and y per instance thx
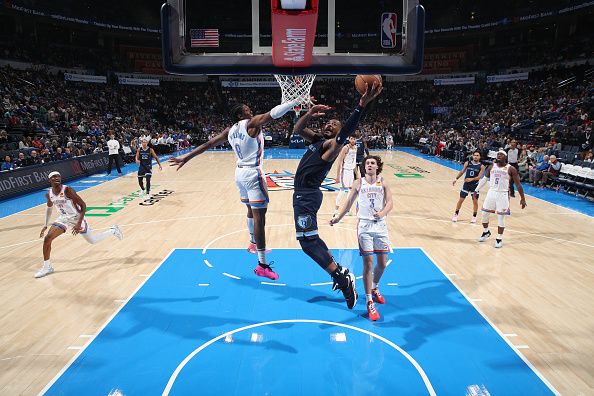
(248, 150)
(371, 198)
(64, 204)
(350, 158)
(472, 170)
(499, 178)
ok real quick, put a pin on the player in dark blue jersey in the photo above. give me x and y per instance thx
(362, 151)
(473, 171)
(144, 159)
(307, 197)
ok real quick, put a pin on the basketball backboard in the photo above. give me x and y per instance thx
(352, 37)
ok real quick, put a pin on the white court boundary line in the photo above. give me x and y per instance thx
(416, 365)
(512, 346)
(67, 366)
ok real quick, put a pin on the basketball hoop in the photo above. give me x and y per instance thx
(296, 88)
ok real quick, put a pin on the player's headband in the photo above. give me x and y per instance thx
(502, 152)
(52, 174)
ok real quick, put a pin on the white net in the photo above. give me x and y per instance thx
(296, 87)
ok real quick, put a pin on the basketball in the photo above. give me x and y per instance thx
(360, 81)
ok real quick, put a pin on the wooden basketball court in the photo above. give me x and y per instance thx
(537, 290)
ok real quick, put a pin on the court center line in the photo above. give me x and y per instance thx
(203, 284)
(208, 264)
(231, 276)
(416, 365)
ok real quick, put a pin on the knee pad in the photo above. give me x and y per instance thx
(501, 220)
(486, 217)
(315, 248)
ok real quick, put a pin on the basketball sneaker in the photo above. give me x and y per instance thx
(252, 248)
(377, 296)
(265, 270)
(473, 220)
(345, 282)
(455, 218)
(372, 312)
(117, 232)
(498, 243)
(484, 236)
(44, 270)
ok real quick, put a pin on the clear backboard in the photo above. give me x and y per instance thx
(351, 37)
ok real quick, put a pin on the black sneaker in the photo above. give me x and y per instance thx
(347, 287)
(484, 236)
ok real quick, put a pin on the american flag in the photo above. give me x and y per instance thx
(204, 37)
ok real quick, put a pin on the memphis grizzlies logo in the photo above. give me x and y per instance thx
(304, 221)
(279, 181)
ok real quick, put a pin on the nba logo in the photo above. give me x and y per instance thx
(388, 29)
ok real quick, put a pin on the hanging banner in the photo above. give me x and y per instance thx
(248, 84)
(85, 78)
(454, 81)
(496, 78)
(137, 81)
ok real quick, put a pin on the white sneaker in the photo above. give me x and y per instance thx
(473, 220)
(455, 218)
(45, 270)
(498, 244)
(484, 236)
(117, 232)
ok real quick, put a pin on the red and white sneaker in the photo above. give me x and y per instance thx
(373, 314)
(265, 271)
(252, 248)
(377, 296)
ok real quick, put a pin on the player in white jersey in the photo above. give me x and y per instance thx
(247, 142)
(72, 212)
(499, 175)
(389, 142)
(347, 170)
(375, 202)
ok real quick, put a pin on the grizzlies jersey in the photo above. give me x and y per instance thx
(146, 161)
(472, 170)
(312, 169)
(248, 150)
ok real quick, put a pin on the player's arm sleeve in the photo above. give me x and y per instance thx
(48, 214)
(350, 125)
(483, 180)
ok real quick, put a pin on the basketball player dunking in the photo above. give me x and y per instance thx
(499, 174)
(307, 197)
(72, 213)
(347, 169)
(247, 141)
(144, 159)
(374, 200)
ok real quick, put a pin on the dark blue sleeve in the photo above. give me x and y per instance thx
(349, 126)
